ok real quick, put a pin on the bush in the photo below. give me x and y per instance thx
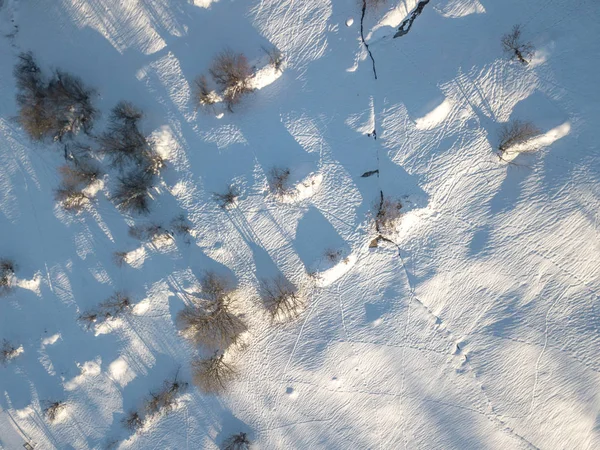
(388, 214)
(133, 192)
(227, 198)
(119, 258)
(150, 233)
(116, 305)
(232, 74)
(513, 44)
(275, 57)
(164, 400)
(8, 352)
(279, 180)
(212, 375)
(133, 421)
(516, 132)
(181, 226)
(333, 255)
(238, 441)
(7, 276)
(71, 198)
(280, 298)
(62, 107)
(211, 323)
(53, 409)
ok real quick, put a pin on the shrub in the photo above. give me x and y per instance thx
(7, 276)
(62, 107)
(212, 375)
(279, 180)
(227, 198)
(275, 57)
(232, 74)
(8, 352)
(388, 214)
(333, 255)
(119, 258)
(164, 400)
(89, 318)
(211, 323)
(116, 305)
(237, 441)
(280, 298)
(133, 192)
(79, 172)
(133, 421)
(150, 233)
(181, 226)
(513, 44)
(516, 132)
(53, 409)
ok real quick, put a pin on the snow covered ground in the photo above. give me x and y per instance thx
(480, 329)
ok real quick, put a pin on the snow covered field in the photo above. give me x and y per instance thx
(477, 327)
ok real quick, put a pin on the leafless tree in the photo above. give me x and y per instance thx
(333, 255)
(164, 399)
(151, 232)
(388, 213)
(237, 441)
(227, 198)
(8, 352)
(275, 57)
(116, 305)
(71, 198)
(88, 318)
(133, 421)
(514, 45)
(278, 178)
(204, 96)
(232, 73)
(7, 276)
(53, 409)
(133, 192)
(181, 226)
(120, 258)
(212, 375)
(79, 172)
(516, 132)
(281, 299)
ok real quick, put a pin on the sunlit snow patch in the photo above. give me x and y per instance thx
(303, 190)
(329, 276)
(119, 371)
(460, 8)
(204, 3)
(435, 117)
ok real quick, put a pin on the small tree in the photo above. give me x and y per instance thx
(333, 255)
(181, 226)
(275, 57)
(71, 198)
(278, 178)
(150, 233)
(513, 44)
(116, 305)
(8, 352)
(204, 96)
(133, 421)
(237, 441)
(133, 192)
(281, 299)
(119, 258)
(227, 198)
(388, 213)
(53, 409)
(7, 276)
(88, 318)
(515, 132)
(212, 375)
(232, 74)
(164, 400)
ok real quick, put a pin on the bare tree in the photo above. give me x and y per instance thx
(237, 441)
(88, 318)
(232, 73)
(120, 258)
(71, 198)
(275, 57)
(210, 322)
(79, 172)
(133, 192)
(133, 421)
(227, 198)
(116, 305)
(181, 226)
(513, 44)
(164, 399)
(8, 352)
(53, 409)
(278, 178)
(281, 299)
(516, 132)
(388, 213)
(212, 375)
(333, 255)
(151, 232)
(7, 276)
(204, 96)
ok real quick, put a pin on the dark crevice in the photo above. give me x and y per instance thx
(362, 36)
(405, 27)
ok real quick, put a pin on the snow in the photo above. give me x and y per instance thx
(477, 327)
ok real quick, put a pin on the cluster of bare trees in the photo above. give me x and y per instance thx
(56, 108)
(159, 402)
(117, 305)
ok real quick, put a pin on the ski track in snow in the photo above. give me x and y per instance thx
(473, 325)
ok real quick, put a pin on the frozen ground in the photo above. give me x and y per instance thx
(481, 330)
